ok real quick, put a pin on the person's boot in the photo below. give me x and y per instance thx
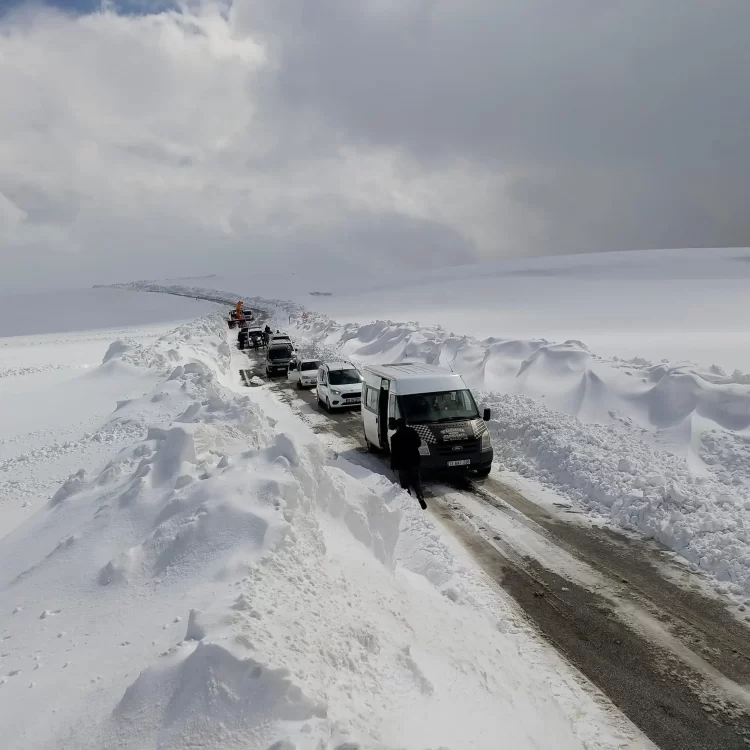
(422, 503)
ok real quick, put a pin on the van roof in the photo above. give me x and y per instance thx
(340, 366)
(416, 377)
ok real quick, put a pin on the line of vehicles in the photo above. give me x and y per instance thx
(434, 401)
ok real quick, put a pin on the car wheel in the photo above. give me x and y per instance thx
(484, 471)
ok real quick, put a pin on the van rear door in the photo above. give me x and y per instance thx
(383, 435)
(370, 403)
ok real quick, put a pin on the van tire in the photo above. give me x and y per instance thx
(484, 472)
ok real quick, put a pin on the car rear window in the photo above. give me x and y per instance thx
(280, 352)
(309, 365)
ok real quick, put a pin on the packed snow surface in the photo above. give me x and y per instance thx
(221, 581)
(658, 447)
(54, 397)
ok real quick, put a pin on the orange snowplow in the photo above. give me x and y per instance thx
(237, 316)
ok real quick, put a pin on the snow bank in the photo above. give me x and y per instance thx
(220, 583)
(610, 471)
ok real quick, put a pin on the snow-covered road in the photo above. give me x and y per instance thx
(238, 533)
(631, 617)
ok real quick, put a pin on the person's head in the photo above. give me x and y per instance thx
(400, 423)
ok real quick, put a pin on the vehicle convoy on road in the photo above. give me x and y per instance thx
(303, 372)
(438, 405)
(339, 384)
(278, 356)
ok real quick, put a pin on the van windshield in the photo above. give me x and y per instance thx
(280, 352)
(344, 377)
(446, 406)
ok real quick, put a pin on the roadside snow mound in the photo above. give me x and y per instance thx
(220, 584)
(613, 473)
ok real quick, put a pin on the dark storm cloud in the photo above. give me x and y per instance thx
(624, 124)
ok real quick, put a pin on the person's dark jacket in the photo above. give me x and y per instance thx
(405, 444)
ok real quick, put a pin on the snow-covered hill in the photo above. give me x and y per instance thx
(219, 582)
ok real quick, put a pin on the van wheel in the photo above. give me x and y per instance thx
(484, 472)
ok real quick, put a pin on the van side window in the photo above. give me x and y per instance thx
(321, 375)
(371, 399)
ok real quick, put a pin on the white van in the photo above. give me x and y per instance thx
(339, 385)
(437, 404)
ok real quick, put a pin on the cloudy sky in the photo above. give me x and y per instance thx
(140, 140)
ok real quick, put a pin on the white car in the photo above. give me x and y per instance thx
(339, 385)
(279, 337)
(303, 372)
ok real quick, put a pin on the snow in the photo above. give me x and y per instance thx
(621, 446)
(55, 397)
(561, 349)
(220, 580)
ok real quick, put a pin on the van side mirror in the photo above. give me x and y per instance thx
(391, 423)
(487, 415)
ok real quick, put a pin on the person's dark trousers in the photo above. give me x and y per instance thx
(409, 479)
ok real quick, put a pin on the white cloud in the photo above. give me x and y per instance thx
(139, 140)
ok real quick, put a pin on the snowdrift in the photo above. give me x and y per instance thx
(222, 582)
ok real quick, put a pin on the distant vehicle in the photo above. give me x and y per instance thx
(278, 357)
(339, 384)
(438, 405)
(303, 372)
(255, 337)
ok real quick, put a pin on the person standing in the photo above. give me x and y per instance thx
(405, 459)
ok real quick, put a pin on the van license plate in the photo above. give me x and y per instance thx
(462, 462)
